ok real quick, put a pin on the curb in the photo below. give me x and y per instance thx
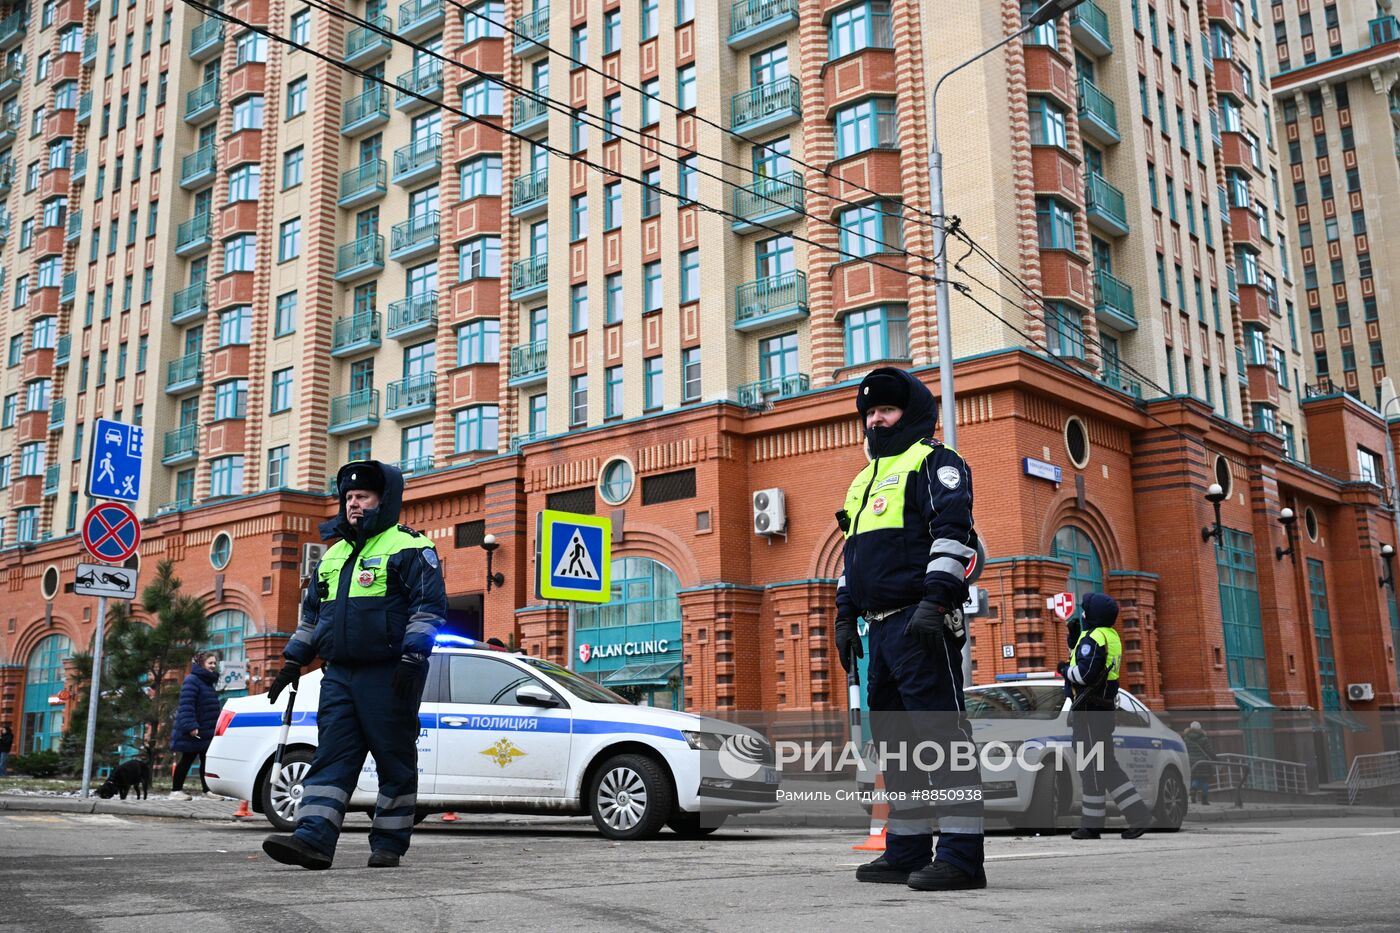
(116, 808)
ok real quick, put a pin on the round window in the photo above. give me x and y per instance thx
(616, 481)
(48, 583)
(1077, 443)
(220, 550)
(1310, 523)
(1222, 474)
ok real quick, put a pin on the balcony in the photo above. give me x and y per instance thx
(84, 108)
(777, 299)
(1232, 285)
(529, 194)
(68, 290)
(416, 465)
(13, 27)
(1384, 29)
(530, 113)
(51, 480)
(58, 411)
(530, 30)
(89, 52)
(184, 373)
(423, 81)
(766, 391)
(206, 39)
(1105, 206)
(768, 201)
(413, 316)
(198, 168)
(194, 235)
(9, 128)
(181, 445)
(359, 259)
(79, 166)
(1098, 115)
(355, 333)
(529, 277)
(1089, 26)
(419, 17)
(418, 161)
(10, 79)
(766, 107)
(411, 396)
(364, 183)
(415, 237)
(364, 46)
(75, 227)
(529, 363)
(362, 114)
(354, 412)
(1116, 380)
(7, 175)
(1113, 302)
(64, 351)
(189, 304)
(203, 102)
(753, 21)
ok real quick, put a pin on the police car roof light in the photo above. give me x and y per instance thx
(457, 641)
(1029, 675)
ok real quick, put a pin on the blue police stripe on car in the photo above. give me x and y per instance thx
(1123, 741)
(481, 723)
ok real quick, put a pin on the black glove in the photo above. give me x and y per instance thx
(410, 675)
(932, 621)
(286, 677)
(847, 642)
(1062, 668)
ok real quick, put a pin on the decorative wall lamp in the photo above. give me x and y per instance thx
(1286, 518)
(1214, 495)
(1388, 555)
(497, 579)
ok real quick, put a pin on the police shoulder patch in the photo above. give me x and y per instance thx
(949, 476)
(1087, 650)
(430, 556)
(410, 532)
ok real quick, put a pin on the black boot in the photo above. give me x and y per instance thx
(941, 876)
(289, 850)
(1133, 832)
(383, 858)
(1082, 833)
(882, 872)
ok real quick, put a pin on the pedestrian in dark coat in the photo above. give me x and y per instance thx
(195, 720)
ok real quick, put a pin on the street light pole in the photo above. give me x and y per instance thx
(1044, 14)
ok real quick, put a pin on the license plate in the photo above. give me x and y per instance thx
(770, 775)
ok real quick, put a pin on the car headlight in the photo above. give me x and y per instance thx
(704, 741)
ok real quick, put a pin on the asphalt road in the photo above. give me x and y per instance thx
(75, 872)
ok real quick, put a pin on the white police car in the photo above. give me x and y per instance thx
(504, 733)
(1036, 786)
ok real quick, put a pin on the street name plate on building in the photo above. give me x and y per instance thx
(1042, 470)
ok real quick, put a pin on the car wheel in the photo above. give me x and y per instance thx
(282, 796)
(1171, 802)
(1049, 801)
(692, 826)
(630, 797)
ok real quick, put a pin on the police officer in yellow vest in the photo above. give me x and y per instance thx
(909, 546)
(371, 613)
(1091, 679)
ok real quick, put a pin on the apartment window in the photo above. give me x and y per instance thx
(281, 390)
(11, 407)
(248, 113)
(650, 20)
(301, 27)
(231, 399)
(690, 276)
(653, 384)
(482, 21)
(578, 133)
(863, 26)
(481, 177)
(16, 349)
(612, 396)
(251, 47)
(277, 462)
(479, 259)
(1044, 34)
(26, 233)
(880, 333)
(55, 212)
(479, 342)
(578, 217)
(651, 287)
(612, 206)
(578, 400)
(578, 43)
(870, 124)
(239, 253)
(612, 31)
(285, 318)
(685, 88)
(651, 192)
(483, 98)
(612, 308)
(292, 163)
(289, 240)
(690, 374)
(245, 182)
(236, 326)
(477, 429)
(1047, 123)
(689, 178)
(777, 357)
(651, 103)
(296, 98)
(578, 308)
(1065, 332)
(225, 477)
(45, 334)
(871, 228)
(1054, 224)
(1368, 465)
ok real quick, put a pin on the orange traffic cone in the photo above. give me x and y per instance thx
(449, 817)
(879, 814)
(242, 810)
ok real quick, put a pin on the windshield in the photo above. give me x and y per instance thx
(1042, 701)
(581, 687)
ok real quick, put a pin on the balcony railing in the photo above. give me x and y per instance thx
(355, 332)
(425, 80)
(75, 226)
(89, 51)
(753, 394)
(193, 233)
(528, 191)
(369, 109)
(10, 78)
(64, 351)
(51, 480)
(528, 276)
(184, 372)
(181, 444)
(770, 104)
(529, 112)
(531, 29)
(419, 158)
(770, 300)
(363, 45)
(1090, 26)
(85, 108)
(768, 199)
(1384, 29)
(1232, 283)
(198, 166)
(753, 20)
(189, 304)
(529, 359)
(410, 394)
(68, 290)
(415, 235)
(355, 410)
(364, 182)
(416, 465)
(13, 27)
(418, 16)
(58, 412)
(412, 315)
(360, 257)
(79, 166)
(1105, 203)
(206, 38)
(1098, 115)
(1113, 299)
(202, 101)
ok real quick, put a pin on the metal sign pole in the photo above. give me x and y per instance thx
(569, 645)
(94, 694)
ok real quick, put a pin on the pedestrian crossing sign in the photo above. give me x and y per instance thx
(573, 557)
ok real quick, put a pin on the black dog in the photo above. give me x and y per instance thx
(129, 775)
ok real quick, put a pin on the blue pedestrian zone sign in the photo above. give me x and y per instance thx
(573, 557)
(114, 467)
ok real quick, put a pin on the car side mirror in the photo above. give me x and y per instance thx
(535, 695)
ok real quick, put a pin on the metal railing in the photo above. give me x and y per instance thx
(366, 250)
(181, 441)
(417, 230)
(1384, 29)
(363, 39)
(417, 154)
(373, 102)
(58, 411)
(411, 311)
(51, 480)
(422, 79)
(1113, 294)
(414, 12)
(185, 369)
(529, 358)
(356, 328)
(202, 98)
(68, 289)
(193, 230)
(526, 108)
(14, 24)
(1088, 16)
(197, 163)
(64, 351)
(1270, 774)
(529, 273)
(769, 196)
(756, 393)
(529, 188)
(367, 176)
(751, 14)
(1094, 102)
(1381, 769)
(755, 104)
(762, 296)
(1099, 195)
(206, 36)
(531, 28)
(416, 465)
(189, 301)
(79, 165)
(411, 392)
(356, 406)
(85, 108)
(75, 225)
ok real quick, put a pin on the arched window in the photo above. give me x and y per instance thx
(43, 721)
(633, 643)
(1085, 570)
(226, 631)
